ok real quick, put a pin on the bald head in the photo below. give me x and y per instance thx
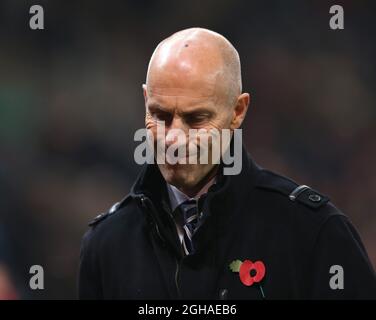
(193, 82)
(199, 61)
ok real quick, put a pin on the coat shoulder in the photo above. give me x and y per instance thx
(291, 190)
(296, 197)
(122, 219)
(112, 219)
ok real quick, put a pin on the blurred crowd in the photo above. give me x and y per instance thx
(71, 100)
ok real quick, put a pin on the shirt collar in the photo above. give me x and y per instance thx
(177, 197)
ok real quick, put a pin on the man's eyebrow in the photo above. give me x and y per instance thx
(156, 106)
(197, 112)
(202, 110)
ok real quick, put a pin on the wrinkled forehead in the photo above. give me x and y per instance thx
(187, 86)
(190, 86)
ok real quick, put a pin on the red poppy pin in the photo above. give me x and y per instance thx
(245, 268)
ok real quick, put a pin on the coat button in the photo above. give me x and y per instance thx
(223, 294)
(143, 202)
(314, 198)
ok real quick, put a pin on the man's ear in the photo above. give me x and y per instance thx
(240, 110)
(145, 92)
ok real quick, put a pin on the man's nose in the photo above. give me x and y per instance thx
(173, 131)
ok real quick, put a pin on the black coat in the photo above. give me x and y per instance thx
(133, 251)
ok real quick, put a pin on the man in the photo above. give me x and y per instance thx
(189, 231)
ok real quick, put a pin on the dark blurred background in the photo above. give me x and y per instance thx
(71, 100)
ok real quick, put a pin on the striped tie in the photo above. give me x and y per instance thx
(189, 212)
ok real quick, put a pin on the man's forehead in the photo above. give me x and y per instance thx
(161, 92)
(205, 89)
(181, 100)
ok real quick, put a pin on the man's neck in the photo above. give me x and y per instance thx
(201, 187)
